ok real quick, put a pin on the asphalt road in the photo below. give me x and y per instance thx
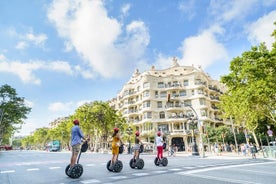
(32, 167)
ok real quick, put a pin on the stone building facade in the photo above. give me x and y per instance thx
(165, 100)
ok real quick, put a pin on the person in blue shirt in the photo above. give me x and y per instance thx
(76, 140)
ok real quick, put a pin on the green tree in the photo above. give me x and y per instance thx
(13, 111)
(251, 88)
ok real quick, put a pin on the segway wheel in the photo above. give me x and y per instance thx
(156, 161)
(118, 166)
(140, 163)
(164, 161)
(108, 165)
(131, 163)
(76, 171)
(66, 169)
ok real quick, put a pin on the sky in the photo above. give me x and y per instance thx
(59, 54)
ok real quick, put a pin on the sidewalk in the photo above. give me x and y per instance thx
(224, 155)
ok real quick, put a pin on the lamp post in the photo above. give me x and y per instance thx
(193, 124)
(129, 132)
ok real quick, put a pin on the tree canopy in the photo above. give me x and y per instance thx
(13, 111)
(251, 87)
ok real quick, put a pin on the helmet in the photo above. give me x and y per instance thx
(116, 129)
(137, 133)
(76, 122)
(158, 133)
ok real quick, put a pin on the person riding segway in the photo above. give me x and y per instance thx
(138, 148)
(159, 158)
(117, 147)
(74, 169)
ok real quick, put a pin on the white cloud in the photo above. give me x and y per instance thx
(99, 39)
(226, 11)
(261, 30)
(188, 8)
(21, 45)
(203, 49)
(61, 107)
(29, 39)
(25, 71)
(68, 107)
(125, 8)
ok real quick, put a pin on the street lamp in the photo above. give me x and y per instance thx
(129, 132)
(193, 121)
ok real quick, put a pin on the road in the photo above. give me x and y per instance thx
(33, 167)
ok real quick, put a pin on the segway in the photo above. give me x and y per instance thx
(118, 165)
(161, 161)
(77, 169)
(139, 163)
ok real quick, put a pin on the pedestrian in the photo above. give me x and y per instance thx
(159, 145)
(137, 145)
(76, 140)
(252, 150)
(116, 140)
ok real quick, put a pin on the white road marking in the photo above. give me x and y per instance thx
(176, 169)
(90, 181)
(89, 165)
(223, 167)
(140, 174)
(8, 171)
(263, 172)
(222, 179)
(189, 167)
(159, 172)
(33, 169)
(54, 167)
(118, 177)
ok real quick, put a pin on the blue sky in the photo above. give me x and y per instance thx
(59, 54)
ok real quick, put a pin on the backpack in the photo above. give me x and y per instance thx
(121, 148)
(164, 145)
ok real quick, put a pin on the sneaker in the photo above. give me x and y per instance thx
(111, 167)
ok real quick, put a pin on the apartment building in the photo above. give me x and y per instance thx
(165, 100)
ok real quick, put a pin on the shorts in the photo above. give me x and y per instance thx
(76, 149)
(136, 147)
(115, 150)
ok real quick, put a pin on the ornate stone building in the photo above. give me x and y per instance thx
(165, 100)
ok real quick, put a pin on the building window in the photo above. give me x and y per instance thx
(156, 94)
(203, 112)
(202, 101)
(146, 104)
(186, 83)
(159, 104)
(146, 94)
(162, 115)
(163, 94)
(147, 115)
(163, 128)
(187, 103)
(182, 93)
(161, 85)
(146, 85)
